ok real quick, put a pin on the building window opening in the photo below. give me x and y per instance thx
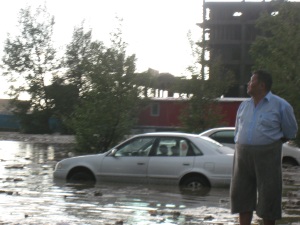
(207, 14)
(237, 14)
(155, 109)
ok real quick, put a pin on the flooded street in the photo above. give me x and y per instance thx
(29, 195)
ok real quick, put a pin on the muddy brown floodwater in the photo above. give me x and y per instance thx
(29, 195)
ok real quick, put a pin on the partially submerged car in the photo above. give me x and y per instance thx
(184, 159)
(225, 135)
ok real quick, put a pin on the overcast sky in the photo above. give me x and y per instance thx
(155, 30)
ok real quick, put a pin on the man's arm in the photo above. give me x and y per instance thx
(289, 124)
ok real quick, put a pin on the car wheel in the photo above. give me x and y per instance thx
(288, 162)
(195, 183)
(81, 176)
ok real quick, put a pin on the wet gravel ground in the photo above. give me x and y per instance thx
(29, 195)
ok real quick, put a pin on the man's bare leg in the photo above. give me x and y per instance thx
(245, 218)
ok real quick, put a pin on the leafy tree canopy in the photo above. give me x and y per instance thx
(29, 62)
(109, 104)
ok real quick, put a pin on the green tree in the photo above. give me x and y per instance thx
(29, 63)
(109, 107)
(277, 50)
(208, 83)
(65, 98)
(81, 55)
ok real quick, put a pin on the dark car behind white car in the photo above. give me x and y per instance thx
(225, 135)
(183, 159)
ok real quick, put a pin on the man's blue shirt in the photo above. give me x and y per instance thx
(272, 119)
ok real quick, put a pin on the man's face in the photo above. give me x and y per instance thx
(254, 86)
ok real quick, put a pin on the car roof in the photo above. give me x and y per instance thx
(163, 134)
(182, 134)
(223, 128)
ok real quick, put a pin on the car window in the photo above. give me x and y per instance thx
(174, 146)
(226, 136)
(137, 147)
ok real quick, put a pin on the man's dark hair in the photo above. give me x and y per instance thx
(265, 77)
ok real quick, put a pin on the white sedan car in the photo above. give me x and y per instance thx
(225, 135)
(187, 160)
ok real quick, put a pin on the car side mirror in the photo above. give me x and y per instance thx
(113, 152)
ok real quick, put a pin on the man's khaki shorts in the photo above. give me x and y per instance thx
(257, 180)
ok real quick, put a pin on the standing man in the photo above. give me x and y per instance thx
(263, 123)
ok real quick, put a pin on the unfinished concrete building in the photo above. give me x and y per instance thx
(229, 30)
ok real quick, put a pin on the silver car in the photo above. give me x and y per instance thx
(187, 160)
(225, 135)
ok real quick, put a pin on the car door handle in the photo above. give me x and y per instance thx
(140, 164)
(186, 164)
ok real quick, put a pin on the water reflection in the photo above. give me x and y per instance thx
(29, 195)
(141, 202)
